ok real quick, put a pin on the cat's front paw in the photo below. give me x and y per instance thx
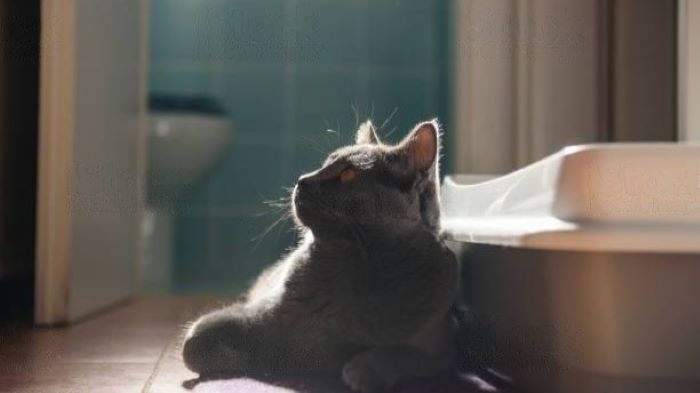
(214, 346)
(362, 374)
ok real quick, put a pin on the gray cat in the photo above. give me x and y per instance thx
(367, 293)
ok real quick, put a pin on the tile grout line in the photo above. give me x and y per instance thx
(156, 369)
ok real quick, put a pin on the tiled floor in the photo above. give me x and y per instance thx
(129, 348)
(134, 348)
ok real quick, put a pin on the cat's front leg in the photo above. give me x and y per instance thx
(219, 343)
(380, 368)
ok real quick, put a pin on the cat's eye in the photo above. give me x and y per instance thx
(347, 175)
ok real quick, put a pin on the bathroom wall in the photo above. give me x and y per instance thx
(289, 74)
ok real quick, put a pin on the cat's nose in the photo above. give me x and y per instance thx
(313, 178)
(305, 180)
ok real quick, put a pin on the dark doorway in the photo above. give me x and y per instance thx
(19, 107)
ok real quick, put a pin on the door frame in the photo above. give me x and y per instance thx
(55, 169)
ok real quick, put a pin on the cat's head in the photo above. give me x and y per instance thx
(374, 185)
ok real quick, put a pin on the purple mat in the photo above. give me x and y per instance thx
(463, 383)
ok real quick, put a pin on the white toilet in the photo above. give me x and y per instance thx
(183, 144)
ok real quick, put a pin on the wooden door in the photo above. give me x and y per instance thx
(90, 177)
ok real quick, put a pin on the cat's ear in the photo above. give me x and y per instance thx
(418, 155)
(421, 147)
(367, 134)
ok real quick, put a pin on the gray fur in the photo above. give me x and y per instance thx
(366, 294)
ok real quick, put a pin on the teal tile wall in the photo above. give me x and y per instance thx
(290, 74)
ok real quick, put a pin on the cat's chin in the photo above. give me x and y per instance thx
(306, 214)
(300, 214)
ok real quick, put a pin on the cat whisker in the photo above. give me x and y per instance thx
(281, 227)
(391, 132)
(259, 238)
(277, 209)
(285, 198)
(328, 127)
(315, 145)
(356, 113)
(328, 145)
(389, 118)
(334, 132)
(337, 127)
(274, 206)
(281, 206)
